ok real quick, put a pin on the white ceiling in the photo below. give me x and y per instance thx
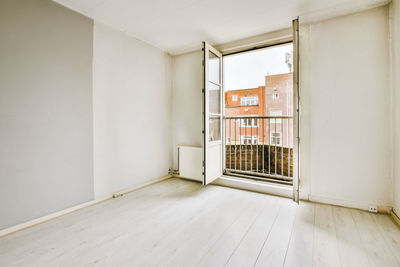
(178, 26)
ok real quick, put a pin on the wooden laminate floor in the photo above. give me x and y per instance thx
(180, 223)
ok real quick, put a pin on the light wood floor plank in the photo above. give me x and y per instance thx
(325, 243)
(106, 226)
(391, 233)
(181, 223)
(204, 225)
(378, 252)
(207, 234)
(275, 246)
(247, 251)
(351, 248)
(77, 226)
(300, 251)
(220, 251)
(146, 233)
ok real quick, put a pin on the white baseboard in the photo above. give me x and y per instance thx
(54, 215)
(188, 178)
(287, 191)
(348, 203)
(125, 191)
(395, 217)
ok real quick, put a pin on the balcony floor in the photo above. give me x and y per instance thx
(181, 223)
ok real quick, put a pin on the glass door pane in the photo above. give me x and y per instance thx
(214, 97)
(214, 129)
(214, 68)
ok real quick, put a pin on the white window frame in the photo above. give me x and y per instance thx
(234, 98)
(249, 101)
(252, 138)
(252, 124)
(272, 138)
(273, 113)
(275, 96)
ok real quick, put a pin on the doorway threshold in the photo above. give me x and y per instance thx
(252, 176)
(265, 187)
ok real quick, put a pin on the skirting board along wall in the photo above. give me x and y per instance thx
(349, 204)
(286, 191)
(54, 215)
(395, 217)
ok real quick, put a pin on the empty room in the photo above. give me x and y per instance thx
(200, 133)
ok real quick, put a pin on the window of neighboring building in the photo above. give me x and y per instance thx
(234, 98)
(250, 101)
(249, 123)
(275, 96)
(276, 139)
(228, 140)
(248, 140)
(273, 113)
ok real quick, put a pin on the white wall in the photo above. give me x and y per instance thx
(345, 113)
(187, 100)
(396, 99)
(46, 141)
(132, 112)
(349, 110)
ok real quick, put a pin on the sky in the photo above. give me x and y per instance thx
(248, 70)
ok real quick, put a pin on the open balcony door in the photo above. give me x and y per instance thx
(296, 98)
(212, 114)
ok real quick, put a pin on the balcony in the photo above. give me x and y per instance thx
(259, 147)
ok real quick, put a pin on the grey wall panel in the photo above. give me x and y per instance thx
(46, 121)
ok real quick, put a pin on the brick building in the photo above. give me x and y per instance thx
(275, 98)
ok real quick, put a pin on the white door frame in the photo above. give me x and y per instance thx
(287, 38)
(212, 150)
(296, 111)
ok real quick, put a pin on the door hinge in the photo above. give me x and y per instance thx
(202, 90)
(202, 133)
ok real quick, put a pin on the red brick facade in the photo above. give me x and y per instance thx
(273, 99)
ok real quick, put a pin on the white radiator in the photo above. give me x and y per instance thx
(190, 162)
